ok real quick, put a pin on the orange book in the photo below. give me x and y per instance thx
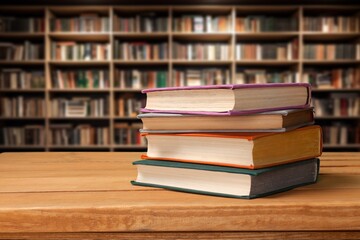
(246, 150)
(240, 25)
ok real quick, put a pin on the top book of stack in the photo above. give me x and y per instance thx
(228, 99)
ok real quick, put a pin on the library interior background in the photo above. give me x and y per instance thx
(71, 76)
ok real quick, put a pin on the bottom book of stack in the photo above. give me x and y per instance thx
(226, 181)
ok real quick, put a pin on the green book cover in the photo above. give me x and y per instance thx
(161, 79)
(263, 182)
(96, 78)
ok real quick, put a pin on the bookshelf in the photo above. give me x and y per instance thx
(119, 50)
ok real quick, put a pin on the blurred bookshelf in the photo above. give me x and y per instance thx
(71, 76)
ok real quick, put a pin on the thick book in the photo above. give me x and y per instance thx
(246, 150)
(272, 121)
(228, 99)
(225, 181)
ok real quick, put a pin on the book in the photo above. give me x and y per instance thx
(225, 181)
(227, 99)
(250, 150)
(273, 121)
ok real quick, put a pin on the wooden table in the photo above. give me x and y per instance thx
(88, 196)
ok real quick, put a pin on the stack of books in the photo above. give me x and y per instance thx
(242, 141)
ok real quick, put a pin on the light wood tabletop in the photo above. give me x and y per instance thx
(79, 195)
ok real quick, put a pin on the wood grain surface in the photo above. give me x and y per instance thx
(84, 195)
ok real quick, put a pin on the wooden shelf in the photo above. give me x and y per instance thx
(266, 36)
(140, 35)
(79, 63)
(330, 62)
(22, 62)
(22, 118)
(66, 10)
(127, 90)
(88, 90)
(22, 35)
(266, 62)
(22, 90)
(88, 118)
(126, 118)
(80, 36)
(337, 118)
(19, 147)
(336, 90)
(265, 9)
(190, 36)
(202, 62)
(141, 62)
(79, 147)
(321, 36)
(139, 147)
(338, 146)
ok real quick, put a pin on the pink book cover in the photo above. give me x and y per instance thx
(232, 86)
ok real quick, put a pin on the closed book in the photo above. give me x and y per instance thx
(228, 99)
(247, 150)
(273, 121)
(225, 181)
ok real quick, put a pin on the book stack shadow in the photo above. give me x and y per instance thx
(241, 141)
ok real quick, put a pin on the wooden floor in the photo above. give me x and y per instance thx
(89, 196)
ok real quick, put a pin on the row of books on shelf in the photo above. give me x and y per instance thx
(345, 105)
(80, 107)
(21, 51)
(262, 76)
(340, 134)
(21, 106)
(201, 51)
(332, 79)
(83, 135)
(128, 134)
(22, 24)
(330, 23)
(72, 135)
(140, 50)
(124, 134)
(16, 78)
(139, 79)
(33, 135)
(263, 23)
(128, 105)
(80, 51)
(70, 50)
(338, 78)
(142, 22)
(338, 104)
(158, 22)
(199, 77)
(263, 51)
(202, 23)
(87, 22)
(88, 79)
(331, 51)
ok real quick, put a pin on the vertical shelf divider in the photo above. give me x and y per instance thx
(47, 79)
(111, 80)
(301, 42)
(170, 47)
(233, 46)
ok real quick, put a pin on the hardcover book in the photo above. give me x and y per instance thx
(225, 181)
(273, 121)
(247, 150)
(228, 99)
